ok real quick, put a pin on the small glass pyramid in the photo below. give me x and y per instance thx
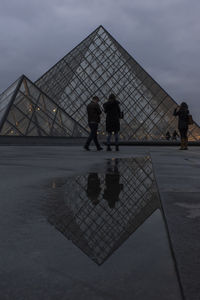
(27, 111)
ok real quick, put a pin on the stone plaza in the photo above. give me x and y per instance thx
(54, 247)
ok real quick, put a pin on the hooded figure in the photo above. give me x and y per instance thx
(113, 112)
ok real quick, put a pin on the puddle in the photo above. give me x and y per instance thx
(99, 211)
(97, 235)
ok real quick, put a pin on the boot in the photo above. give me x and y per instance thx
(108, 148)
(86, 147)
(182, 144)
(116, 147)
(99, 148)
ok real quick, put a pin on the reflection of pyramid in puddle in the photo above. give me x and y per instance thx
(99, 228)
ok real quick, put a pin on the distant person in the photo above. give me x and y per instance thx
(93, 188)
(168, 135)
(93, 112)
(113, 112)
(182, 112)
(113, 187)
(175, 135)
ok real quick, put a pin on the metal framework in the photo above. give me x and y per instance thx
(99, 211)
(99, 65)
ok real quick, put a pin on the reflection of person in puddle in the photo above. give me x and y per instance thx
(93, 188)
(112, 185)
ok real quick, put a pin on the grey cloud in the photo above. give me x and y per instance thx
(163, 36)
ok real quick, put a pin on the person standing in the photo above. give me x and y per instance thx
(168, 135)
(93, 112)
(175, 135)
(182, 112)
(113, 112)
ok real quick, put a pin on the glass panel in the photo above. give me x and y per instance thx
(5, 99)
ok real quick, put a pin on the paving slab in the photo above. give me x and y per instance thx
(178, 179)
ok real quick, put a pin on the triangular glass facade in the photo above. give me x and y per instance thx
(97, 66)
(32, 113)
(6, 100)
(100, 66)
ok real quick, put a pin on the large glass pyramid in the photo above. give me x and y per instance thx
(25, 110)
(99, 65)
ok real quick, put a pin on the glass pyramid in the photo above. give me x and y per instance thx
(100, 66)
(97, 66)
(26, 110)
(6, 100)
(103, 209)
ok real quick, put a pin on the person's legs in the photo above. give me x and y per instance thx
(94, 136)
(182, 139)
(90, 137)
(108, 141)
(185, 141)
(116, 141)
(109, 138)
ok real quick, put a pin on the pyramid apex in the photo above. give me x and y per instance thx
(101, 27)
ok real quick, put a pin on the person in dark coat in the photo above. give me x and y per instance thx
(94, 112)
(112, 110)
(182, 112)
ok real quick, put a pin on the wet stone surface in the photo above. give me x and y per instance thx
(97, 235)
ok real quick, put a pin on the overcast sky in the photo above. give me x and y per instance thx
(162, 35)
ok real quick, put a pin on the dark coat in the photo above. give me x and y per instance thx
(94, 111)
(112, 111)
(182, 118)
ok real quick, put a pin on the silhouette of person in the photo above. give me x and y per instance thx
(183, 117)
(168, 136)
(112, 184)
(93, 188)
(93, 113)
(113, 113)
(175, 135)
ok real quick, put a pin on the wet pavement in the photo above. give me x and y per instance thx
(77, 225)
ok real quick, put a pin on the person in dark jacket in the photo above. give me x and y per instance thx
(94, 112)
(182, 112)
(112, 110)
